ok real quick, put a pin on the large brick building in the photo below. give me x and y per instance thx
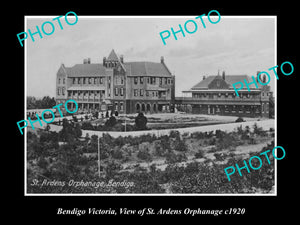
(126, 87)
(215, 95)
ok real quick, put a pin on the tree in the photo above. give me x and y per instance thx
(31, 102)
(70, 133)
(111, 122)
(141, 122)
(74, 118)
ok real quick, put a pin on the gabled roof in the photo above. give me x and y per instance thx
(113, 56)
(146, 69)
(229, 79)
(83, 70)
(131, 68)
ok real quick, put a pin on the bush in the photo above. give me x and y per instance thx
(111, 122)
(172, 157)
(199, 154)
(87, 126)
(180, 145)
(144, 154)
(240, 119)
(141, 122)
(117, 154)
(219, 156)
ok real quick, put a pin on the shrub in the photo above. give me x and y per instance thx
(144, 154)
(111, 122)
(141, 122)
(117, 154)
(180, 145)
(199, 154)
(87, 126)
(172, 157)
(240, 119)
(219, 156)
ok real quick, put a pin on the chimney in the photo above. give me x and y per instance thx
(162, 59)
(223, 75)
(257, 75)
(264, 78)
(104, 61)
(89, 60)
(85, 61)
(122, 58)
(204, 77)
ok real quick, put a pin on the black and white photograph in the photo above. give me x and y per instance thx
(151, 105)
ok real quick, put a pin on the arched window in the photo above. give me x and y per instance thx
(148, 107)
(154, 107)
(137, 107)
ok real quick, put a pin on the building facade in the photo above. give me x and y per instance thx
(215, 95)
(126, 87)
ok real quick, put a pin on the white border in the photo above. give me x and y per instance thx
(106, 194)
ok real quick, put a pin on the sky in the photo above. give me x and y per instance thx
(236, 45)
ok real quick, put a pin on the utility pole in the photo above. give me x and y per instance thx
(99, 156)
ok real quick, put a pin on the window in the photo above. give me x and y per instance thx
(63, 91)
(135, 92)
(108, 81)
(64, 80)
(148, 80)
(160, 81)
(141, 92)
(58, 80)
(152, 81)
(147, 93)
(116, 91)
(166, 79)
(141, 80)
(116, 106)
(101, 80)
(95, 80)
(122, 91)
(135, 80)
(58, 91)
(73, 81)
(121, 106)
